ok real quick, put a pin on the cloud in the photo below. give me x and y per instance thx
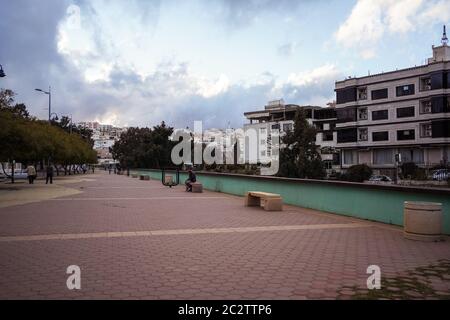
(287, 49)
(237, 13)
(95, 75)
(372, 20)
(311, 87)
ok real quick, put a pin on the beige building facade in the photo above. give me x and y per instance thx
(405, 112)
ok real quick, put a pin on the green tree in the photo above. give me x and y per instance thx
(28, 140)
(144, 147)
(299, 156)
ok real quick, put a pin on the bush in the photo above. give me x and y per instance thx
(357, 173)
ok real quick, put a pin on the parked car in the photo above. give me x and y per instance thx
(380, 178)
(441, 174)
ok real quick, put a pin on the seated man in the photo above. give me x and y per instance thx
(192, 178)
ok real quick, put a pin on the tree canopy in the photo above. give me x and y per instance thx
(144, 147)
(26, 139)
(299, 155)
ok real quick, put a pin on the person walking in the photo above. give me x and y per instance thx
(110, 168)
(31, 174)
(49, 174)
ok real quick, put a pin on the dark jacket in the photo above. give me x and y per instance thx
(50, 170)
(192, 177)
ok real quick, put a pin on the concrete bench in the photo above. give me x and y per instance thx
(270, 201)
(197, 187)
(144, 177)
(134, 175)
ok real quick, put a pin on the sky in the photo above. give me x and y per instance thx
(140, 62)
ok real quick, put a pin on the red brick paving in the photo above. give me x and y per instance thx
(288, 264)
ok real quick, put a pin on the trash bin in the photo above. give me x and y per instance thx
(422, 221)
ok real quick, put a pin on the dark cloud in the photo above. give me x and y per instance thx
(28, 52)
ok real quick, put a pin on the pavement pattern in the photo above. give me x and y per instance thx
(136, 239)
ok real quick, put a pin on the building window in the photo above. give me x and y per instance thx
(350, 157)
(347, 135)
(425, 106)
(425, 130)
(425, 83)
(412, 155)
(380, 115)
(406, 134)
(380, 136)
(405, 90)
(441, 128)
(439, 80)
(287, 127)
(405, 112)
(379, 94)
(345, 95)
(262, 130)
(440, 104)
(362, 134)
(263, 142)
(383, 156)
(346, 115)
(319, 126)
(362, 93)
(362, 114)
(263, 153)
(327, 136)
(276, 126)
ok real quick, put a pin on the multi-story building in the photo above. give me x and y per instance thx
(104, 137)
(404, 112)
(278, 115)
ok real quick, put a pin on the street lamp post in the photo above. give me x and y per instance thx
(49, 93)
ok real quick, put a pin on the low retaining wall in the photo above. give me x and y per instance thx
(383, 203)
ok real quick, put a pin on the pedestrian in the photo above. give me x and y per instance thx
(192, 178)
(49, 176)
(93, 168)
(31, 173)
(110, 168)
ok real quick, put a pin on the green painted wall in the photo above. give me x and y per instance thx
(350, 200)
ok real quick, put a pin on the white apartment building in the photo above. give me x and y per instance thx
(278, 115)
(404, 112)
(104, 136)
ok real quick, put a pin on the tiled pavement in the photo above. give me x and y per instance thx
(139, 239)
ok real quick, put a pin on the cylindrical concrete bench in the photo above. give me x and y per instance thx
(144, 177)
(422, 221)
(134, 175)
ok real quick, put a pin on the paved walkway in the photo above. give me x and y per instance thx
(139, 239)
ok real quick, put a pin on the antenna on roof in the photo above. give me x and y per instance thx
(444, 39)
